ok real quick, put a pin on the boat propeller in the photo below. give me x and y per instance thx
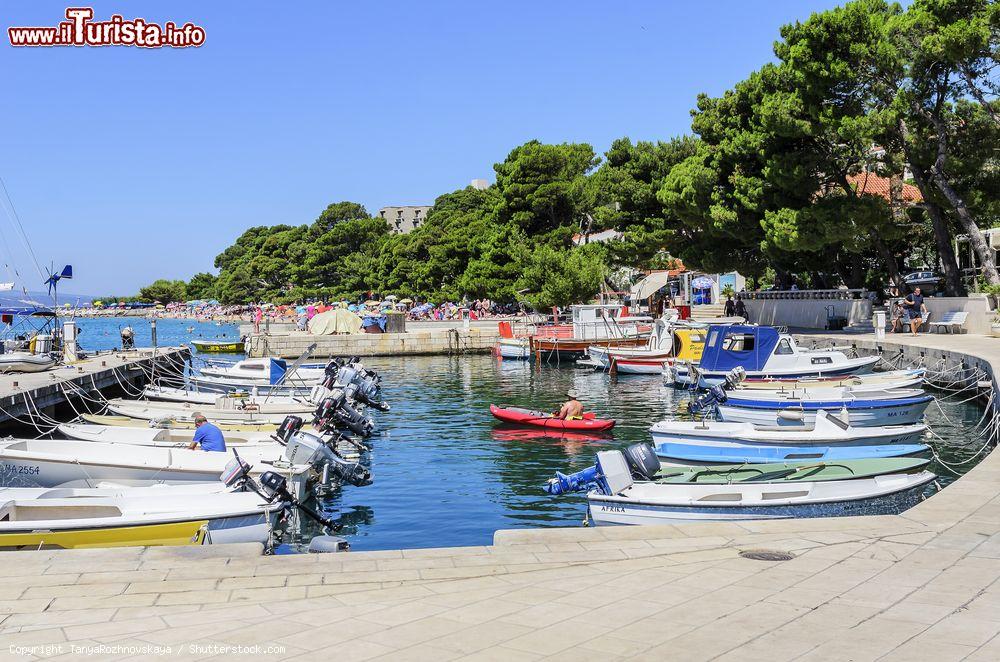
(716, 395)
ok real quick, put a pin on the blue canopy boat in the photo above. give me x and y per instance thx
(763, 352)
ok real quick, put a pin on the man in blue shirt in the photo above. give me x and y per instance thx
(207, 435)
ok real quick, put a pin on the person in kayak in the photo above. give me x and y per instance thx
(572, 408)
(208, 436)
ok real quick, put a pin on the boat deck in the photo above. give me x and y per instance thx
(922, 585)
(23, 395)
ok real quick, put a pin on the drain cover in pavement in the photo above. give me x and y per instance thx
(766, 555)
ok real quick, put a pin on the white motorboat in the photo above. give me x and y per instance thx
(264, 372)
(763, 352)
(223, 385)
(162, 515)
(620, 499)
(231, 411)
(858, 411)
(26, 362)
(670, 338)
(60, 463)
(806, 395)
(894, 379)
(168, 394)
(513, 348)
(148, 436)
(825, 430)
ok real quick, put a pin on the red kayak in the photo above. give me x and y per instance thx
(543, 420)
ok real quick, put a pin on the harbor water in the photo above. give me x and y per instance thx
(446, 473)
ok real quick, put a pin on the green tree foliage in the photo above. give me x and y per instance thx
(339, 212)
(560, 277)
(164, 291)
(201, 286)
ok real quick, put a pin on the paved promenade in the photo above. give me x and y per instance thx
(920, 586)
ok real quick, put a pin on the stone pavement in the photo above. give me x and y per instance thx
(922, 585)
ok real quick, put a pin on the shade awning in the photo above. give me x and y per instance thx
(649, 285)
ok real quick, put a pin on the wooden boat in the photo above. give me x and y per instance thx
(589, 422)
(219, 346)
(147, 436)
(603, 325)
(161, 515)
(173, 424)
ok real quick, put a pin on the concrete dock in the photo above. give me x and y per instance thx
(918, 586)
(23, 395)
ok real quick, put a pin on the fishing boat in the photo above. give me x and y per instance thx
(607, 325)
(589, 421)
(230, 410)
(161, 515)
(173, 424)
(148, 436)
(857, 412)
(623, 490)
(894, 379)
(763, 352)
(825, 430)
(220, 346)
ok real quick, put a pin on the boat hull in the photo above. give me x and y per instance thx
(620, 512)
(688, 454)
(218, 346)
(878, 413)
(707, 379)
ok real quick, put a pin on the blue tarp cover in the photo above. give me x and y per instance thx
(278, 368)
(716, 358)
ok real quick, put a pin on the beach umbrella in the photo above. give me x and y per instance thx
(371, 303)
(702, 283)
(406, 301)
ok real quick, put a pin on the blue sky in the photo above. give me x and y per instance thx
(136, 164)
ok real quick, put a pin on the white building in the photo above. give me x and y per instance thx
(406, 218)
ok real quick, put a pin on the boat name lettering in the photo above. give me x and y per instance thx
(28, 470)
(613, 509)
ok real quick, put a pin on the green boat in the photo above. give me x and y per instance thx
(805, 471)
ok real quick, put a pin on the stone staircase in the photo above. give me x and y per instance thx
(708, 311)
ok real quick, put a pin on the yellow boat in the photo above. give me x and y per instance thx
(174, 424)
(153, 535)
(156, 515)
(689, 344)
(219, 346)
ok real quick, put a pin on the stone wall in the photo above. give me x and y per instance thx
(438, 341)
(980, 314)
(808, 313)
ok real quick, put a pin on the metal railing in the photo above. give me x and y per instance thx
(839, 294)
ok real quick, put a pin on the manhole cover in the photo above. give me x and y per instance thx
(766, 555)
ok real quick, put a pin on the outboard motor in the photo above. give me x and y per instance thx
(614, 471)
(368, 385)
(274, 487)
(128, 338)
(715, 396)
(337, 412)
(288, 428)
(236, 471)
(305, 448)
(735, 377)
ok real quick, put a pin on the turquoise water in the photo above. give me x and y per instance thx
(447, 473)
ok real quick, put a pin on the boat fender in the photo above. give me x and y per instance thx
(328, 545)
(791, 415)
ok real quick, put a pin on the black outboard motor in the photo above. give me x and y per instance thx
(642, 460)
(337, 413)
(288, 428)
(274, 487)
(353, 473)
(715, 396)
